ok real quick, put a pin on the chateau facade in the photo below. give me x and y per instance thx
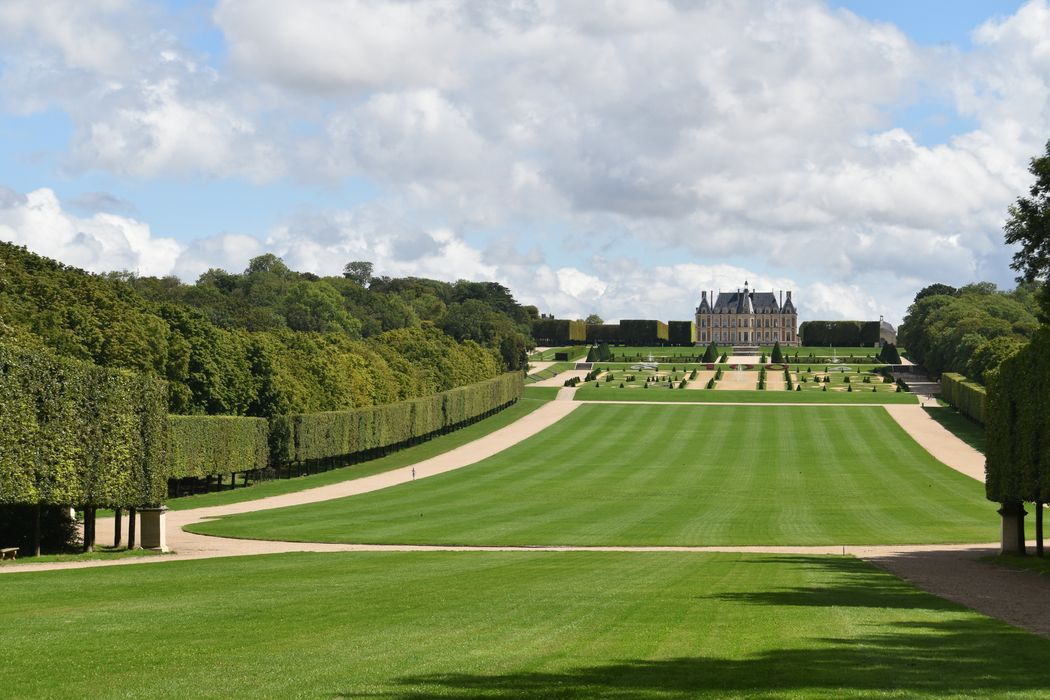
(746, 318)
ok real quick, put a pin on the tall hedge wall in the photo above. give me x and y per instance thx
(839, 333)
(558, 331)
(968, 397)
(1017, 464)
(604, 333)
(681, 332)
(643, 332)
(310, 436)
(212, 445)
(72, 433)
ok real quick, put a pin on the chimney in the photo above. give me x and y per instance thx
(703, 296)
(781, 299)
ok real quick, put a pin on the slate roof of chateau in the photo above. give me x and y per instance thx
(744, 302)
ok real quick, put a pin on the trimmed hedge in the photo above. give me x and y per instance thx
(1018, 450)
(73, 433)
(839, 333)
(969, 398)
(558, 331)
(889, 354)
(604, 333)
(303, 437)
(681, 332)
(644, 332)
(203, 446)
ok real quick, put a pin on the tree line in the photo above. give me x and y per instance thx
(970, 329)
(268, 341)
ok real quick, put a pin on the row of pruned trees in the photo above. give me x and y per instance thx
(75, 434)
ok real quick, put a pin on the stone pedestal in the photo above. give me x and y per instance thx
(152, 528)
(1012, 535)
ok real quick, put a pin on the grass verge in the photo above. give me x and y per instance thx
(465, 625)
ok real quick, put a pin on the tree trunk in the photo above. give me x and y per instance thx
(1020, 530)
(131, 528)
(1038, 529)
(116, 527)
(36, 530)
(89, 528)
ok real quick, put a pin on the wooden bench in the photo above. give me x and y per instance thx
(9, 553)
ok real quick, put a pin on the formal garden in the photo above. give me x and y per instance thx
(415, 513)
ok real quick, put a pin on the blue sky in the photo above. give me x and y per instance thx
(591, 157)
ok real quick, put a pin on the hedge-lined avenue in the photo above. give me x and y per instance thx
(305, 437)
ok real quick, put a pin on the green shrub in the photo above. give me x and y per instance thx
(778, 354)
(711, 383)
(711, 353)
(889, 354)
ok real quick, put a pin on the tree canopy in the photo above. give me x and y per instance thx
(268, 340)
(943, 332)
(1029, 228)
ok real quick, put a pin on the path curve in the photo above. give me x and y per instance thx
(940, 442)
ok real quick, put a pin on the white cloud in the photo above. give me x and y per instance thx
(100, 243)
(758, 132)
(322, 242)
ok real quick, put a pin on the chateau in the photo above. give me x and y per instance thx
(746, 318)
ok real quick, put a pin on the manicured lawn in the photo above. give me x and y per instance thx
(612, 392)
(664, 354)
(668, 475)
(424, 625)
(399, 459)
(543, 393)
(553, 370)
(969, 431)
(547, 355)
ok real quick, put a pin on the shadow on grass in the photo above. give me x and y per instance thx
(853, 584)
(969, 431)
(932, 655)
(968, 657)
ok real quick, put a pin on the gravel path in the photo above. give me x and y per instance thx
(938, 440)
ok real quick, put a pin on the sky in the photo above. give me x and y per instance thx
(595, 156)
